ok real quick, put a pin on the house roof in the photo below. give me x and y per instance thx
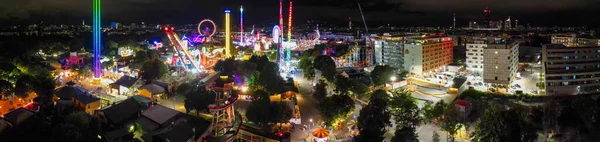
(159, 113)
(122, 111)
(115, 134)
(126, 81)
(18, 116)
(147, 124)
(179, 133)
(462, 102)
(153, 88)
(86, 98)
(69, 91)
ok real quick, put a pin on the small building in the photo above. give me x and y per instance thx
(126, 85)
(18, 116)
(464, 107)
(72, 95)
(152, 91)
(122, 113)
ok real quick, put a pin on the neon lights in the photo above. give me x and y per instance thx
(211, 22)
(280, 14)
(227, 34)
(277, 39)
(242, 26)
(97, 39)
(289, 34)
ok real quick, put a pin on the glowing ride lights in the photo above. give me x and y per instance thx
(214, 30)
(289, 34)
(227, 34)
(277, 39)
(97, 39)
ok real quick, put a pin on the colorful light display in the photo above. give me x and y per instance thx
(281, 14)
(214, 30)
(97, 33)
(227, 34)
(277, 39)
(289, 34)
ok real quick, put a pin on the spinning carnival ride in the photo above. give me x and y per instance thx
(192, 58)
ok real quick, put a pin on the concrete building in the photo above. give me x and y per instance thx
(571, 40)
(428, 54)
(569, 70)
(474, 58)
(501, 62)
(389, 51)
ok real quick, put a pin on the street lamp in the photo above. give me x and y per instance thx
(311, 123)
(393, 78)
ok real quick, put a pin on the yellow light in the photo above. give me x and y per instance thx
(227, 35)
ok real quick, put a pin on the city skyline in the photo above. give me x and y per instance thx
(261, 12)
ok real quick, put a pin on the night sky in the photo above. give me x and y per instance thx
(261, 12)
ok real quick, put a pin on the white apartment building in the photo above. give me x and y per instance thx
(389, 51)
(501, 62)
(475, 57)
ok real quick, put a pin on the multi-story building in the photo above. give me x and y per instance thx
(501, 62)
(569, 70)
(428, 54)
(474, 54)
(571, 40)
(389, 51)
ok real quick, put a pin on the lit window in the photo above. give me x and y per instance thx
(495, 52)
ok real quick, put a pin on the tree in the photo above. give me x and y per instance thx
(381, 74)
(335, 108)
(342, 85)
(450, 120)
(270, 79)
(259, 109)
(404, 109)
(373, 119)
(198, 99)
(433, 112)
(435, 137)
(152, 70)
(139, 59)
(184, 88)
(281, 111)
(405, 134)
(6, 88)
(358, 88)
(320, 91)
(306, 64)
(327, 67)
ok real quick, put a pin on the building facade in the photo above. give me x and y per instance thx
(359, 56)
(428, 54)
(501, 62)
(389, 51)
(569, 70)
(474, 54)
(571, 40)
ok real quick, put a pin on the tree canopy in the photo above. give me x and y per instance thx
(152, 70)
(335, 108)
(381, 74)
(373, 119)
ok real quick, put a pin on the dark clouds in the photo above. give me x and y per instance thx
(400, 12)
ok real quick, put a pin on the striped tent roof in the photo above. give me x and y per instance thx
(320, 132)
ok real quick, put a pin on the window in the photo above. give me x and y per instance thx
(496, 78)
(567, 68)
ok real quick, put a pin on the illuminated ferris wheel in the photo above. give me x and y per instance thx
(207, 21)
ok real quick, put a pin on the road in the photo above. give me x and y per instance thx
(308, 107)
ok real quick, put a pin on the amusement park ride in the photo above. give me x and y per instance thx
(193, 58)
